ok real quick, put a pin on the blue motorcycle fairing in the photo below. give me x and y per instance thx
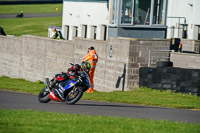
(68, 84)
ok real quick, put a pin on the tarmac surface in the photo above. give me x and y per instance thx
(23, 101)
(31, 15)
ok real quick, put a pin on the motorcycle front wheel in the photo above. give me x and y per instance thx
(74, 95)
(43, 96)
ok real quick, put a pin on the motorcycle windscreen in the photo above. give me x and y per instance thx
(68, 84)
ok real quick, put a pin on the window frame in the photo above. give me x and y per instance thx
(132, 24)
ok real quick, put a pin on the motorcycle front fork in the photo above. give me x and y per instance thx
(47, 82)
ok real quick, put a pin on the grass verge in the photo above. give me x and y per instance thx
(33, 26)
(147, 96)
(142, 96)
(31, 8)
(20, 121)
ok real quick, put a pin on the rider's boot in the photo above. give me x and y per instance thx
(90, 90)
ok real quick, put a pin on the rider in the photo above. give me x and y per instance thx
(20, 14)
(73, 71)
(57, 34)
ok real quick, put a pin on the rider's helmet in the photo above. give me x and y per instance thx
(85, 66)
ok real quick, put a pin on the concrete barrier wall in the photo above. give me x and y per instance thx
(35, 58)
(185, 60)
(139, 57)
(190, 46)
(10, 56)
(108, 69)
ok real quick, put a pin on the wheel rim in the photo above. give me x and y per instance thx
(72, 94)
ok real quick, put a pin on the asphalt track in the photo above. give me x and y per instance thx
(31, 15)
(22, 101)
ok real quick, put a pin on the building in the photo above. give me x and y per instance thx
(99, 19)
(138, 18)
(183, 19)
(85, 18)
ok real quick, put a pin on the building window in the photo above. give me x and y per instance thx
(137, 12)
(142, 12)
(126, 11)
(158, 15)
(139, 15)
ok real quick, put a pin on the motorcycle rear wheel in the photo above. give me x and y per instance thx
(43, 96)
(74, 95)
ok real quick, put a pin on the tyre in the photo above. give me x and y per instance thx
(164, 64)
(43, 97)
(74, 95)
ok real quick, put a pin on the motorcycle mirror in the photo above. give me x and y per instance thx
(71, 63)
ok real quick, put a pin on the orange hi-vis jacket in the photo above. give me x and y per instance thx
(91, 57)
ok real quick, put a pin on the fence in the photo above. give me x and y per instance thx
(156, 58)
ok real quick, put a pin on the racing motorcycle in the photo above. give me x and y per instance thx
(20, 15)
(72, 87)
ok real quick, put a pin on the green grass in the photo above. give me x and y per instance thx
(146, 96)
(31, 8)
(32, 26)
(20, 85)
(13, 121)
(142, 96)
